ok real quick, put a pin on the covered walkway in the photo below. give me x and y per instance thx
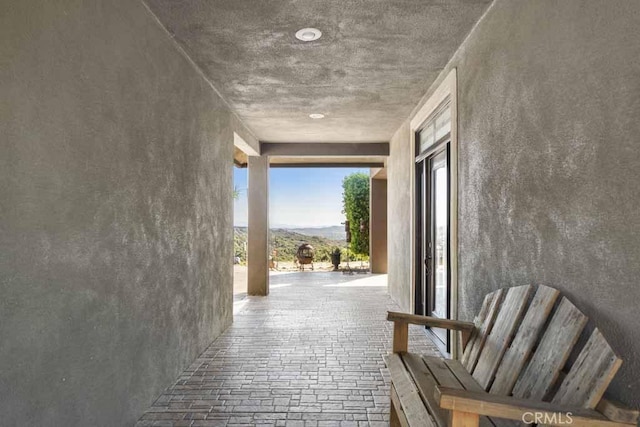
(310, 354)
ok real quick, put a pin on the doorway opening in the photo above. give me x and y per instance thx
(307, 218)
(240, 232)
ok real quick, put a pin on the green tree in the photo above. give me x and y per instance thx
(355, 198)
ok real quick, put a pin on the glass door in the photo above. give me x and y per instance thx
(433, 212)
(433, 287)
(433, 263)
(436, 250)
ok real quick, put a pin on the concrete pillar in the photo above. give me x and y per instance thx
(258, 233)
(378, 226)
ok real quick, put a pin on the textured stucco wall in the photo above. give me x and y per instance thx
(115, 212)
(399, 217)
(549, 101)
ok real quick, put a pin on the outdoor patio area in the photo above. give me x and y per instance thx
(309, 354)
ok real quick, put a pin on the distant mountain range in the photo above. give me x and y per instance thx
(334, 232)
(287, 241)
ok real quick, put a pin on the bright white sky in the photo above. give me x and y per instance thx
(310, 197)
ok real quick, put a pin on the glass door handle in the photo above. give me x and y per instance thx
(427, 267)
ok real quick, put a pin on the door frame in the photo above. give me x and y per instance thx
(424, 215)
(447, 88)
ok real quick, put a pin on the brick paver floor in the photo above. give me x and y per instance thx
(310, 354)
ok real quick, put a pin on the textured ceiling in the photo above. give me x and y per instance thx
(375, 60)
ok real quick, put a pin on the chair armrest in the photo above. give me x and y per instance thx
(455, 325)
(401, 328)
(491, 405)
(616, 412)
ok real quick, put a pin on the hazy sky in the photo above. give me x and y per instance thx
(310, 197)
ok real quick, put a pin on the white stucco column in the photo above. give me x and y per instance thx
(258, 230)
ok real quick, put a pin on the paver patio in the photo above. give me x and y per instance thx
(310, 354)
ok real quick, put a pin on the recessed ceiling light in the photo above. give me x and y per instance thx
(316, 116)
(308, 34)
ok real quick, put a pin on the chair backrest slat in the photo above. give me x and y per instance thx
(483, 322)
(478, 321)
(552, 352)
(590, 375)
(507, 356)
(527, 335)
(503, 329)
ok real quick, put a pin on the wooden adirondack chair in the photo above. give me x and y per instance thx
(510, 372)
